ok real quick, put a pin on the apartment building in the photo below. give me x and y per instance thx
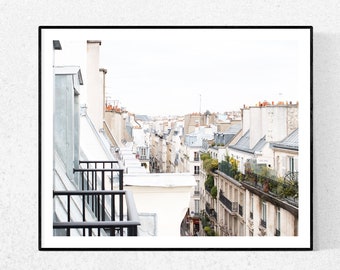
(83, 188)
(222, 210)
(96, 171)
(257, 183)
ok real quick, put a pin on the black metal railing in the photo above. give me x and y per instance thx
(94, 173)
(233, 207)
(210, 211)
(263, 223)
(227, 203)
(91, 177)
(277, 232)
(114, 227)
(240, 210)
(94, 177)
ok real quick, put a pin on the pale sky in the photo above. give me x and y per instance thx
(168, 71)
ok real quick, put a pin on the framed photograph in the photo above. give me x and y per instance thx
(175, 138)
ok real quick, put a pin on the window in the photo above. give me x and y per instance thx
(264, 214)
(197, 207)
(196, 170)
(197, 188)
(292, 164)
(251, 205)
(278, 221)
(196, 156)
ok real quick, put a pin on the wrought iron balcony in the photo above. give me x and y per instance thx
(94, 197)
(113, 226)
(227, 203)
(263, 223)
(232, 206)
(240, 210)
(251, 215)
(210, 211)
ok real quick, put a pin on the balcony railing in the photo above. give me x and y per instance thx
(286, 188)
(240, 210)
(210, 211)
(263, 223)
(130, 222)
(94, 197)
(277, 232)
(251, 215)
(94, 173)
(227, 203)
(232, 206)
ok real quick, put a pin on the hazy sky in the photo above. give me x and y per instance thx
(167, 72)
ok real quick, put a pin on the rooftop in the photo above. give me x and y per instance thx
(243, 144)
(291, 142)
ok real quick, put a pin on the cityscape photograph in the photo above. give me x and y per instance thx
(175, 137)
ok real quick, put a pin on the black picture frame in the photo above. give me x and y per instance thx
(47, 242)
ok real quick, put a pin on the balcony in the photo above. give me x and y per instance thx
(286, 188)
(233, 207)
(124, 226)
(210, 211)
(263, 223)
(251, 215)
(103, 212)
(240, 210)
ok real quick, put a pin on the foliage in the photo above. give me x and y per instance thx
(205, 220)
(205, 156)
(210, 164)
(230, 167)
(213, 192)
(209, 231)
(214, 164)
(209, 181)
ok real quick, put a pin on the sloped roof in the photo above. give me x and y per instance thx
(243, 144)
(234, 129)
(230, 133)
(142, 117)
(291, 142)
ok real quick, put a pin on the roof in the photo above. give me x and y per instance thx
(160, 180)
(141, 117)
(234, 129)
(243, 144)
(291, 142)
(69, 70)
(229, 134)
(92, 143)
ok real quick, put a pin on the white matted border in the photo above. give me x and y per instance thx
(303, 35)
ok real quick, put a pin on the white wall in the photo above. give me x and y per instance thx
(19, 54)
